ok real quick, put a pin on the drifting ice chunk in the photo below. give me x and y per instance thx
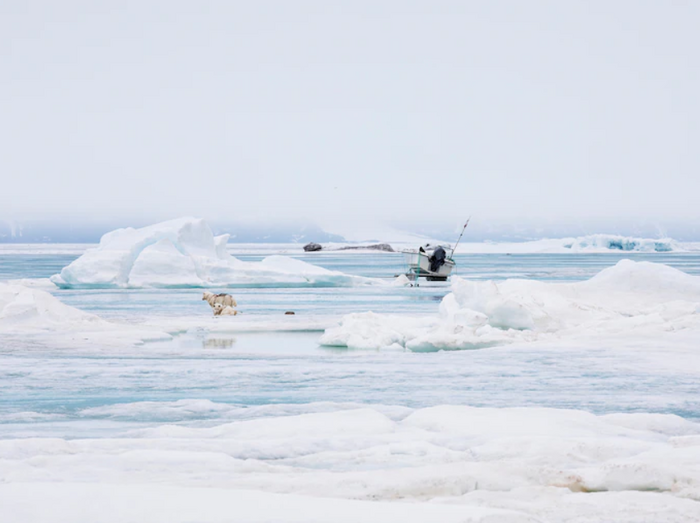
(185, 253)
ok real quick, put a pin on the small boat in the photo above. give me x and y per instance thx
(431, 261)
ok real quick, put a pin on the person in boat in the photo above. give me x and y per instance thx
(437, 256)
(437, 259)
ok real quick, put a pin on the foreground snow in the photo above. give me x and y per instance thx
(185, 253)
(445, 463)
(631, 299)
(88, 503)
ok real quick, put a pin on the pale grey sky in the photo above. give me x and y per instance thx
(355, 110)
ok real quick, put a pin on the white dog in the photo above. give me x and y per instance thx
(224, 299)
(221, 310)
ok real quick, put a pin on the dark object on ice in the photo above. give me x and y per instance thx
(376, 247)
(437, 260)
(312, 247)
(289, 313)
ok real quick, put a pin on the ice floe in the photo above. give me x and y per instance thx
(185, 253)
(447, 463)
(612, 242)
(632, 298)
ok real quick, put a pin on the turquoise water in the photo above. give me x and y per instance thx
(74, 393)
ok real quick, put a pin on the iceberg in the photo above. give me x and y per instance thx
(185, 253)
(633, 299)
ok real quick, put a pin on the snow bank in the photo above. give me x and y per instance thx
(445, 463)
(26, 311)
(185, 253)
(631, 298)
(593, 243)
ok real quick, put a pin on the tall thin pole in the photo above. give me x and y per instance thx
(460, 237)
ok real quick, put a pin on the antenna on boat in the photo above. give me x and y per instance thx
(460, 237)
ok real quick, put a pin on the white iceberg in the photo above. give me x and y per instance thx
(185, 253)
(634, 299)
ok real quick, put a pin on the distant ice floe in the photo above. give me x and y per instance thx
(375, 463)
(611, 242)
(185, 253)
(593, 243)
(634, 299)
(32, 311)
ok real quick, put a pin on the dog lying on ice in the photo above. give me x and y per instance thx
(224, 299)
(224, 310)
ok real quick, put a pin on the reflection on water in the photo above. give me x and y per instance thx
(218, 343)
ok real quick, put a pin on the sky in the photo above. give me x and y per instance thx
(352, 112)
